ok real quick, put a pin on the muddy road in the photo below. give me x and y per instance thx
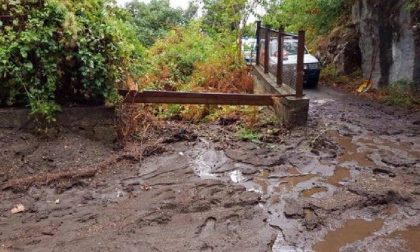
(349, 181)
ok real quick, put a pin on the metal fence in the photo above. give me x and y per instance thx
(271, 53)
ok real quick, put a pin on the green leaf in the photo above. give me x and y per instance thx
(28, 66)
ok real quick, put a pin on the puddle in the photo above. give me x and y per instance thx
(352, 231)
(287, 183)
(411, 236)
(312, 191)
(274, 184)
(340, 173)
(350, 152)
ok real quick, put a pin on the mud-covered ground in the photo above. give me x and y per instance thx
(349, 181)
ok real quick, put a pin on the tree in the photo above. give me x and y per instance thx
(229, 16)
(315, 16)
(155, 19)
(191, 12)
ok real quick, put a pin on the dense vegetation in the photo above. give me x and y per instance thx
(153, 20)
(55, 52)
(58, 52)
(316, 17)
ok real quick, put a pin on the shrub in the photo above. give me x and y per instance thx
(190, 60)
(54, 52)
(401, 93)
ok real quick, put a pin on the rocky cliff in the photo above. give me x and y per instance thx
(382, 38)
(389, 40)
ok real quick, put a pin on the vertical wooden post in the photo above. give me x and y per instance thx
(267, 50)
(280, 57)
(300, 62)
(257, 60)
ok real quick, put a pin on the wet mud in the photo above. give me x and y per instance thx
(349, 181)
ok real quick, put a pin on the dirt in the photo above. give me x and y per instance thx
(349, 181)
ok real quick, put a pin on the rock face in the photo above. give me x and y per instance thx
(389, 40)
(341, 49)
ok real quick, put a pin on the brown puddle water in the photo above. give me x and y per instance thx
(350, 152)
(288, 183)
(340, 173)
(352, 231)
(312, 191)
(284, 183)
(411, 236)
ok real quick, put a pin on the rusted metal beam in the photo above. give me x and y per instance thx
(300, 62)
(267, 51)
(280, 57)
(257, 60)
(284, 33)
(167, 97)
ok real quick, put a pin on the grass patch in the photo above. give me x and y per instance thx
(249, 135)
(401, 94)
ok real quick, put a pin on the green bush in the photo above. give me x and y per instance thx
(154, 19)
(315, 16)
(54, 52)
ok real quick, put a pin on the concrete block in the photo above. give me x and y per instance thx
(290, 111)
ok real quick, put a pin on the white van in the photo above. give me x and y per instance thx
(311, 64)
(249, 49)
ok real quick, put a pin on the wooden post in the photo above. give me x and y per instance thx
(280, 57)
(267, 50)
(257, 60)
(300, 62)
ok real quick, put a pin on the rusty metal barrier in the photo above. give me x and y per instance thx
(265, 35)
(293, 75)
(168, 97)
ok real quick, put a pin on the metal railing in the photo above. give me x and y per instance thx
(270, 53)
